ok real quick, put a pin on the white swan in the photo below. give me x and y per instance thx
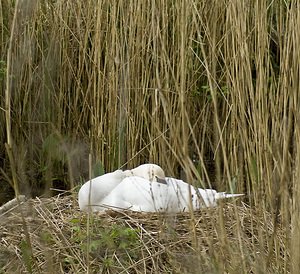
(93, 191)
(172, 195)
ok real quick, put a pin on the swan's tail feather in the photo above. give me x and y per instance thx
(224, 195)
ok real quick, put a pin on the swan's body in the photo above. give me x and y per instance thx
(139, 194)
(95, 190)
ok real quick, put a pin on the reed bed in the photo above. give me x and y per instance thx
(207, 89)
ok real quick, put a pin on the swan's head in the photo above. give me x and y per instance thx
(149, 172)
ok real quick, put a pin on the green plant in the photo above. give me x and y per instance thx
(27, 255)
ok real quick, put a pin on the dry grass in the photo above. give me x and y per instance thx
(230, 239)
(207, 89)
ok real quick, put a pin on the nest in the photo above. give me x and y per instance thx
(52, 236)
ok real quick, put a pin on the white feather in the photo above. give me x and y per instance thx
(95, 190)
(139, 194)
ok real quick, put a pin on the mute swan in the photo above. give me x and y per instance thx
(139, 194)
(101, 186)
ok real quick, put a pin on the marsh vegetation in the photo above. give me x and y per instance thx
(209, 90)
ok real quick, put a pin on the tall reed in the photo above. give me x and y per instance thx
(206, 89)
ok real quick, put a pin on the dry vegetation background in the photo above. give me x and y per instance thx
(207, 89)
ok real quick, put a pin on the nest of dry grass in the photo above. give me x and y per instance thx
(61, 239)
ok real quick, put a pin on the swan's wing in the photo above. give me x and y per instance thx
(138, 194)
(200, 197)
(179, 194)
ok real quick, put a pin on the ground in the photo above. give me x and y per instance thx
(53, 236)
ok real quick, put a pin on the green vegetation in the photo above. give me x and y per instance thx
(207, 89)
